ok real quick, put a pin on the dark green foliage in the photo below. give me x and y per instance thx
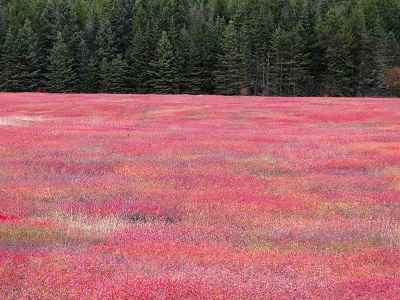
(8, 61)
(381, 60)
(121, 16)
(61, 76)
(44, 24)
(335, 40)
(118, 69)
(163, 69)
(288, 62)
(106, 42)
(255, 47)
(92, 76)
(229, 74)
(27, 64)
(188, 65)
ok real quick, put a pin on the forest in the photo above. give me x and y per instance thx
(228, 47)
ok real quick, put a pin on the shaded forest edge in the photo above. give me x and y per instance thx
(252, 47)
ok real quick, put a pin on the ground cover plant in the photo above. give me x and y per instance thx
(199, 197)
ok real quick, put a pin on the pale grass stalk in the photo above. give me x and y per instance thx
(386, 228)
(93, 225)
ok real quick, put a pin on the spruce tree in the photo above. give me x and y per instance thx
(117, 71)
(8, 62)
(105, 42)
(360, 51)
(61, 77)
(289, 63)
(121, 16)
(188, 64)
(229, 74)
(44, 25)
(163, 69)
(335, 40)
(104, 76)
(83, 56)
(92, 76)
(27, 64)
(381, 60)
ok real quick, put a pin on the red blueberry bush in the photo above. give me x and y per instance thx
(199, 197)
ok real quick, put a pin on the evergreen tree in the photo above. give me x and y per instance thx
(326, 46)
(83, 56)
(104, 76)
(26, 78)
(335, 40)
(118, 68)
(163, 69)
(360, 51)
(381, 60)
(92, 78)
(67, 24)
(121, 15)
(229, 74)
(289, 63)
(140, 54)
(9, 62)
(188, 65)
(105, 42)
(61, 77)
(209, 40)
(44, 25)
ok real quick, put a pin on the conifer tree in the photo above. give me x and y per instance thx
(121, 16)
(27, 64)
(44, 25)
(104, 76)
(289, 62)
(140, 54)
(92, 76)
(61, 77)
(229, 74)
(188, 64)
(83, 56)
(8, 62)
(381, 60)
(361, 52)
(163, 69)
(105, 42)
(335, 40)
(118, 68)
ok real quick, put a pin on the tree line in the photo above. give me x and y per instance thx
(254, 47)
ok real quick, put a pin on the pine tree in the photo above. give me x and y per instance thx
(67, 24)
(163, 69)
(381, 60)
(117, 69)
(141, 53)
(361, 52)
(9, 62)
(105, 41)
(229, 74)
(92, 76)
(44, 25)
(26, 78)
(104, 76)
(83, 56)
(289, 63)
(121, 15)
(61, 77)
(335, 40)
(188, 64)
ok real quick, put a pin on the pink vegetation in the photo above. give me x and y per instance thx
(199, 197)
